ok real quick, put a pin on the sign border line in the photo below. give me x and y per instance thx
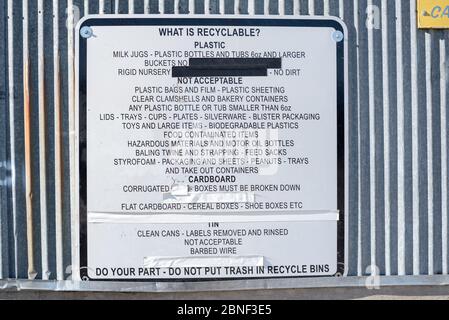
(156, 20)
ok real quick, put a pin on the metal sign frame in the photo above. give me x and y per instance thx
(80, 248)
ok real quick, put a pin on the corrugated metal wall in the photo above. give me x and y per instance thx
(398, 124)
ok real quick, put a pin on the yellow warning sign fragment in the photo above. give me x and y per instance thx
(433, 14)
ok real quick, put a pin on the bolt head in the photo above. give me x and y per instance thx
(86, 32)
(338, 36)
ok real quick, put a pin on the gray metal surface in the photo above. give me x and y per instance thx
(398, 292)
(398, 124)
(370, 283)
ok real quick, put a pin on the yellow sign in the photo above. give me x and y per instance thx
(433, 14)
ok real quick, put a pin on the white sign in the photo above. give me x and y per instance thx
(211, 148)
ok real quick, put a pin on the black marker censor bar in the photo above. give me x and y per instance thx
(236, 67)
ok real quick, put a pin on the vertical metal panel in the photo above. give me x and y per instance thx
(21, 219)
(4, 248)
(379, 171)
(251, 7)
(357, 71)
(296, 7)
(27, 119)
(74, 185)
(58, 153)
(9, 164)
(42, 142)
(444, 152)
(326, 10)
(349, 8)
(398, 125)
(311, 7)
(266, 7)
(86, 6)
(386, 133)
(400, 141)
(282, 8)
(429, 150)
(415, 160)
(161, 6)
(372, 135)
(101, 6)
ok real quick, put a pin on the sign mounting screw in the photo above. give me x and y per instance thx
(86, 32)
(338, 36)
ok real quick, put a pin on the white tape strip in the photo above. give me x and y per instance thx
(238, 261)
(216, 197)
(101, 217)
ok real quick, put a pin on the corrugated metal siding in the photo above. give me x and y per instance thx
(398, 124)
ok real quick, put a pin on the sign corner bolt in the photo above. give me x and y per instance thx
(338, 36)
(86, 32)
